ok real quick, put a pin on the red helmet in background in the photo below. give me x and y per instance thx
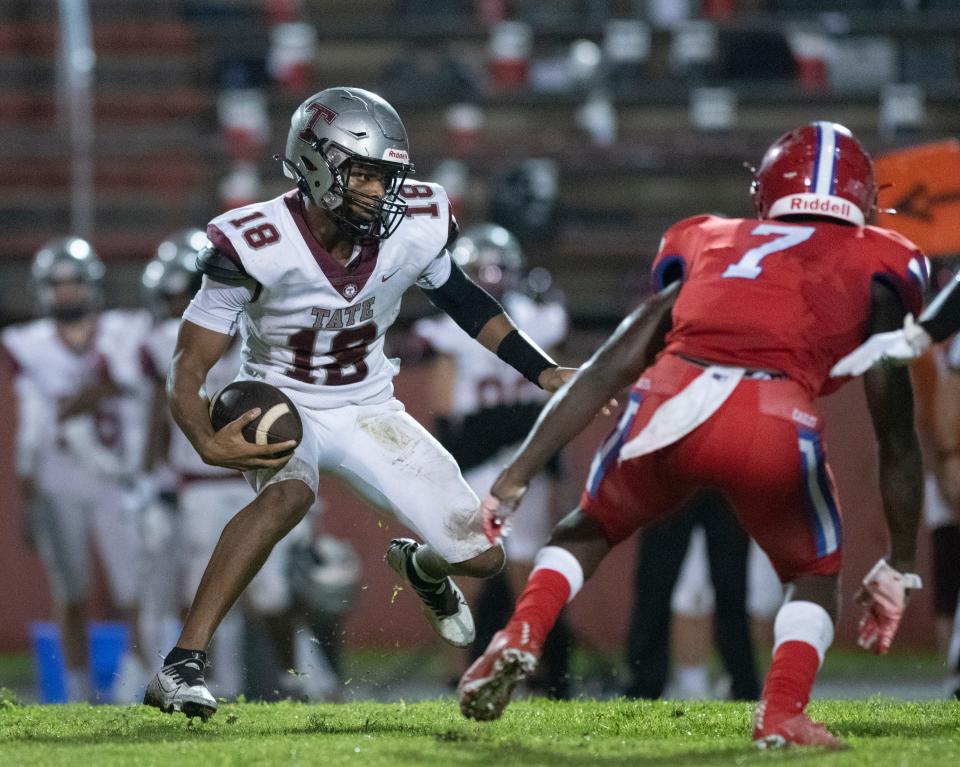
(819, 169)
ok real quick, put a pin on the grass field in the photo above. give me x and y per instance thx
(533, 732)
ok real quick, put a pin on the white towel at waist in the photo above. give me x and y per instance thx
(685, 410)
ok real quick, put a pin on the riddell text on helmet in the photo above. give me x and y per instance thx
(820, 205)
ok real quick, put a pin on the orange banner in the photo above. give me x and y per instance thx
(925, 192)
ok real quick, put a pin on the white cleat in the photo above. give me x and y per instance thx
(444, 605)
(180, 687)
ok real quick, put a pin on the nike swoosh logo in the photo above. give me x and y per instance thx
(386, 277)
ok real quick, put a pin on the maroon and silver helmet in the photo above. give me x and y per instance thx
(492, 257)
(67, 276)
(171, 277)
(332, 132)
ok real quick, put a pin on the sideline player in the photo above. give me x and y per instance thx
(75, 446)
(313, 279)
(750, 315)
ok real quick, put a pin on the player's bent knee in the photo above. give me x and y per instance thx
(822, 590)
(583, 537)
(286, 503)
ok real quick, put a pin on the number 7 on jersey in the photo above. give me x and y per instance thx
(748, 267)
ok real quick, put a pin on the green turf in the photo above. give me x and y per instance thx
(532, 732)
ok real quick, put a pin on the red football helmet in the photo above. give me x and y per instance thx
(818, 169)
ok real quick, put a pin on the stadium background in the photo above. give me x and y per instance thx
(639, 123)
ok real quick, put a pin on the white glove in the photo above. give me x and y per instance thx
(884, 597)
(897, 346)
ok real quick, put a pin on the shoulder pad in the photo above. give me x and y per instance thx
(892, 236)
(218, 266)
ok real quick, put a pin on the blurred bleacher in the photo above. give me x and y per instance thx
(160, 154)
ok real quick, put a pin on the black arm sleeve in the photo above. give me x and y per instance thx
(941, 319)
(453, 231)
(220, 267)
(470, 306)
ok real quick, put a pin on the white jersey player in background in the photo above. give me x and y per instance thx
(78, 443)
(208, 496)
(474, 383)
(312, 280)
(485, 408)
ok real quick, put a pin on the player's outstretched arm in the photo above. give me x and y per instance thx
(939, 321)
(890, 401)
(617, 363)
(483, 318)
(197, 351)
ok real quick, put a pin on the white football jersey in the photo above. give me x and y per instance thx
(158, 352)
(53, 371)
(120, 343)
(482, 379)
(313, 325)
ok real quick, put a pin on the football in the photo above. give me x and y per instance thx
(279, 420)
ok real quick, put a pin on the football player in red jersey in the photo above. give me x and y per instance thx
(749, 317)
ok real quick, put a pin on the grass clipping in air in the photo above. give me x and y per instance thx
(532, 732)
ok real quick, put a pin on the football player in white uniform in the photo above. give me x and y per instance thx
(72, 445)
(313, 279)
(485, 408)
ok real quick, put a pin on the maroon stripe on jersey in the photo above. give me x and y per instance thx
(149, 366)
(348, 280)
(104, 376)
(222, 243)
(7, 358)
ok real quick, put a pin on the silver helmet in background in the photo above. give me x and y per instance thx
(491, 256)
(331, 134)
(171, 277)
(67, 276)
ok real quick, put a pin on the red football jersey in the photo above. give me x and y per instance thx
(790, 297)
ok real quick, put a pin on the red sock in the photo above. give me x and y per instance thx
(790, 680)
(540, 604)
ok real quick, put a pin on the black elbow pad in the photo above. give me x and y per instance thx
(469, 305)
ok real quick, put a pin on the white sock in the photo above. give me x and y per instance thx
(562, 561)
(803, 622)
